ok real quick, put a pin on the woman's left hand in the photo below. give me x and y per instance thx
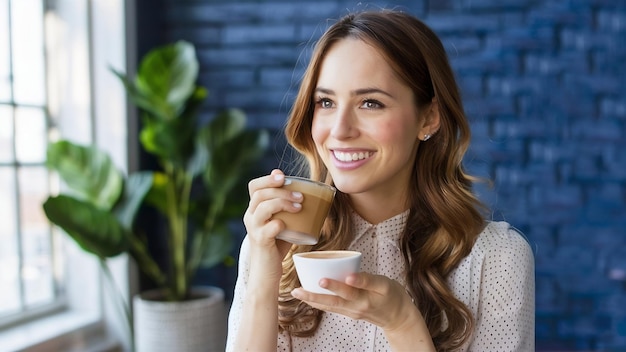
(374, 298)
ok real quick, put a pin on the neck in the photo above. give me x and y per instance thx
(378, 209)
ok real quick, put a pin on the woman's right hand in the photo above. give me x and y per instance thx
(267, 197)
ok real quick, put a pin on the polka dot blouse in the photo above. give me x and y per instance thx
(496, 281)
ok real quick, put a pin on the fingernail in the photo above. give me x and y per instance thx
(279, 177)
(296, 195)
(297, 205)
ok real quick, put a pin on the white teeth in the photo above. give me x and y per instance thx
(341, 156)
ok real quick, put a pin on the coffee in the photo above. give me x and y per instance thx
(327, 254)
(304, 226)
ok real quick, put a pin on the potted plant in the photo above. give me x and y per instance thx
(199, 188)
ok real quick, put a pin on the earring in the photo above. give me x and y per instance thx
(427, 137)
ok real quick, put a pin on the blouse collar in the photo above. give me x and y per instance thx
(394, 226)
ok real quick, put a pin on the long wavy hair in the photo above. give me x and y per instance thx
(445, 216)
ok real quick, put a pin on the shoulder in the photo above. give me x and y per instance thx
(504, 261)
(501, 249)
(501, 237)
(501, 292)
(501, 265)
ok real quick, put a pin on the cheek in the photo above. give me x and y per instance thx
(318, 132)
(395, 132)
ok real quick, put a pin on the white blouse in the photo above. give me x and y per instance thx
(496, 281)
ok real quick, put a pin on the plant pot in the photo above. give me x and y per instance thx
(194, 325)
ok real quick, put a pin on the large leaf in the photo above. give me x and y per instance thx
(88, 171)
(218, 246)
(165, 81)
(229, 149)
(193, 104)
(167, 75)
(95, 230)
(135, 189)
(173, 140)
(230, 160)
(148, 103)
(199, 160)
(225, 126)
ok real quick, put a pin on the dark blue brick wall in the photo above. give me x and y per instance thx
(544, 84)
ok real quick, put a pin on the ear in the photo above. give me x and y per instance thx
(431, 121)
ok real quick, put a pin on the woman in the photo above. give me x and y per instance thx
(379, 116)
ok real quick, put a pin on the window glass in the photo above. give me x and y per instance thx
(30, 135)
(6, 134)
(5, 83)
(28, 52)
(26, 251)
(9, 260)
(37, 268)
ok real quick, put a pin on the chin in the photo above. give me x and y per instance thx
(347, 187)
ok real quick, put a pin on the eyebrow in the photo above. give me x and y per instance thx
(362, 91)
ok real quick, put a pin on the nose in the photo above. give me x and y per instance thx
(345, 124)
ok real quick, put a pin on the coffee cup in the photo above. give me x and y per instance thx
(311, 267)
(304, 227)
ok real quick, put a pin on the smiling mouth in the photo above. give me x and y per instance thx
(351, 156)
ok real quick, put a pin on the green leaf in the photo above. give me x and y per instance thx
(145, 102)
(231, 159)
(193, 104)
(199, 160)
(156, 196)
(225, 126)
(135, 190)
(238, 199)
(87, 171)
(219, 245)
(167, 75)
(171, 140)
(95, 230)
(165, 81)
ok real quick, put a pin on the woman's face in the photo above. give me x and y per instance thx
(365, 122)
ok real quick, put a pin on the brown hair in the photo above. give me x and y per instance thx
(444, 219)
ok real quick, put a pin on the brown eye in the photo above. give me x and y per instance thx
(324, 103)
(371, 104)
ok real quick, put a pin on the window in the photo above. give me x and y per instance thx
(55, 83)
(28, 272)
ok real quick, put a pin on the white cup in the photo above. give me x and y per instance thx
(314, 266)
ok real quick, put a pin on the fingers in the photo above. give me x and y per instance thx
(267, 202)
(369, 282)
(273, 180)
(346, 304)
(351, 290)
(267, 197)
(341, 289)
(268, 187)
(374, 298)
(319, 301)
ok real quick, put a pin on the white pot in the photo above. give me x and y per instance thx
(188, 326)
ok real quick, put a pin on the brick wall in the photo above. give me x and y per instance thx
(544, 84)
